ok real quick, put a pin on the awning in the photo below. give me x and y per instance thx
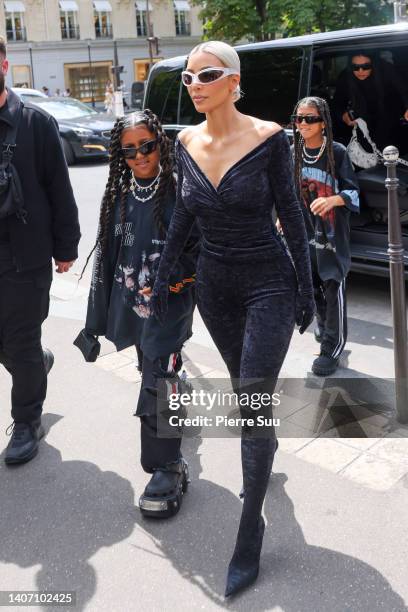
(14, 7)
(68, 5)
(181, 5)
(141, 5)
(102, 6)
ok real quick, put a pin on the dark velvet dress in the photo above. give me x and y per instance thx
(246, 279)
(247, 284)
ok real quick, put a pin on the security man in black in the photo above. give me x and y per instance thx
(48, 229)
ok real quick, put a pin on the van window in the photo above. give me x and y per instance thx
(328, 68)
(270, 81)
(188, 113)
(163, 95)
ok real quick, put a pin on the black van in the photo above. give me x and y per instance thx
(274, 75)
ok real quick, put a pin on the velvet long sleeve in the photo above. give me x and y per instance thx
(177, 235)
(290, 213)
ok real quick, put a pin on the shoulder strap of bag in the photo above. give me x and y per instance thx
(9, 144)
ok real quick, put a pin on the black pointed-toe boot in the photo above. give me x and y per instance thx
(257, 458)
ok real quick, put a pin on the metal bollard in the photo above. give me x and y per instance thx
(399, 313)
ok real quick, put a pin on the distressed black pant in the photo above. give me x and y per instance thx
(157, 451)
(24, 303)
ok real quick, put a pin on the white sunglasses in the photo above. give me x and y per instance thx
(206, 76)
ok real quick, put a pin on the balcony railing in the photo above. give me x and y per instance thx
(103, 31)
(16, 35)
(183, 29)
(70, 32)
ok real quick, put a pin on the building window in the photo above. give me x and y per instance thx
(182, 17)
(141, 23)
(21, 76)
(141, 68)
(68, 19)
(102, 18)
(15, 29)
(85, 80)
(142, 27)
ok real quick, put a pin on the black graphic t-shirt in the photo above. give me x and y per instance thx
(329, 236)
(117, 308)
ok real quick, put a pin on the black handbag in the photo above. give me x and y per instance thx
(11, 192)
(88, 344)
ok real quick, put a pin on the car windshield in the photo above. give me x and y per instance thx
(64, 109)
(29, 97)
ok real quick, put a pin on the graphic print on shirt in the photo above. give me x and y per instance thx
(317, 183)
(134, 276)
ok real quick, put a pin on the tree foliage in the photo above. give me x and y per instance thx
(235, 20)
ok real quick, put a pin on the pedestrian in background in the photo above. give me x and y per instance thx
(109, 101)
(38, 221)
(329, 188)
(135, 213)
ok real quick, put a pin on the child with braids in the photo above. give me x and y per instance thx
(329, 189)
(136, 210)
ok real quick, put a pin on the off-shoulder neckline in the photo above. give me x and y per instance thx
(237, 163)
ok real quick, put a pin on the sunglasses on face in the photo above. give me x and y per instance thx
(357, 67)
(145, 149)
(309, 119)
(205, 76)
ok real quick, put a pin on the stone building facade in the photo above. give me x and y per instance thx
(70, 43)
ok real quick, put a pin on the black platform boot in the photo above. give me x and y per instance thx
(257, 457)
(163, 495)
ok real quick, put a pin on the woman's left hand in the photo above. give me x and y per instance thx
(321, 206)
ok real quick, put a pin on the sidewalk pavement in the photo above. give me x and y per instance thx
(337, 533)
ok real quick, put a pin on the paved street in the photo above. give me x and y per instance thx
(336, 507)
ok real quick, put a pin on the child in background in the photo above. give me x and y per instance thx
(329, 189)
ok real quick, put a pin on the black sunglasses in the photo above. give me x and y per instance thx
(309, 119)
(145, 149)
(357, 67)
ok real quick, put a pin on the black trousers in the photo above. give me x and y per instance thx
(331, 315)
(24, 303)
(157, 451)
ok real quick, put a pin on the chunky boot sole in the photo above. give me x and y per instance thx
(168, 504)
(321, 371)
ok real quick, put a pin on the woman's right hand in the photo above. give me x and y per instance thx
(347, 120)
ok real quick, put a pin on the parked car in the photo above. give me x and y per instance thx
(85, 133)
(24, 93)
(274, 75)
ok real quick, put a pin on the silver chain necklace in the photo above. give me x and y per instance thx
(154, 185)
(312, 159)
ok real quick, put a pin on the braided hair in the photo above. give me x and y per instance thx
(120, 176)
(323, 109)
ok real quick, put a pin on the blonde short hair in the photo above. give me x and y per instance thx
(226, 54)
